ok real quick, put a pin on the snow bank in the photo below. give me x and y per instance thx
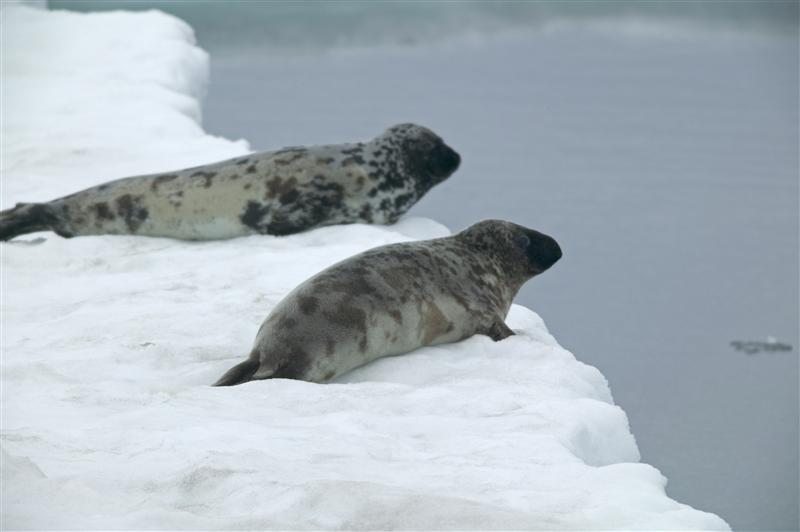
(88, 98)
(109, 344)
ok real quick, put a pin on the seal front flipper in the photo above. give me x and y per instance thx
(499, 331)
(244, 372)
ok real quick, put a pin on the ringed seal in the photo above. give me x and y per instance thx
(394, 299)
(277, 193)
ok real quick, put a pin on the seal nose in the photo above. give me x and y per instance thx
(453, 159)
(543, 250)
(445, 161)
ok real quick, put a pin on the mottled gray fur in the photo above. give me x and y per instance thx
(394, 299)
(278, 193)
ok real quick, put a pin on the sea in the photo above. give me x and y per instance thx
(656, 141)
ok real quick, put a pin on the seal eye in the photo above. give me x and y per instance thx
(522, 241)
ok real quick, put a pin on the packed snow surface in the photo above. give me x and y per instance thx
(110, 344)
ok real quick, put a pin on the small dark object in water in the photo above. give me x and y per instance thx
(752, 348)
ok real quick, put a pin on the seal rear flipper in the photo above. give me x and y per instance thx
(244, 372)
(28, 218)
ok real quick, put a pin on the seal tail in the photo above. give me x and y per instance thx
(28, 218)
(244, 372)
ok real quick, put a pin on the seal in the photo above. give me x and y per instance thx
(393, 299)
(278, 193)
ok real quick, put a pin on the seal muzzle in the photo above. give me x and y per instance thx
(543, 251)
(444, 160)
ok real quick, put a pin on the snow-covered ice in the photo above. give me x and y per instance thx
(109, 345)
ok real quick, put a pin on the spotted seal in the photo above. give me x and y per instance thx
(277, 193)
(396, 298)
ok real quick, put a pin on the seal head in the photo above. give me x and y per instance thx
(522, 252)
(425, 153)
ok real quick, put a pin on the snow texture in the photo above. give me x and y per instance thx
(109, 345)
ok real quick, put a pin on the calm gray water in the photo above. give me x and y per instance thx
(658, 142)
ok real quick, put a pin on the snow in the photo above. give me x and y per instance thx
(109, 345)
(118, 94)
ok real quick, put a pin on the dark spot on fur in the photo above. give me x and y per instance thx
(385, 206)
(251, 169)
(277, 186)
(362, 344)
(403, 202)
(328, 376)
(247, 186)
(308, 304)
(282, 227)
(161, 180)
(287, 323)
(295, 365)
(292, 158)
(254, 214)
(289, 197)
(360, 286)
(234, 177)
(243, 161)
(102, 211)
(396, 316)
(131, 210)
(325, 160)
(355, 159)
(208, 176)
(366, 213)
(357, 149)
(350, 317)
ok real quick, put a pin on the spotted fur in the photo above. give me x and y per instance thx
(394, 299)
(279, 193)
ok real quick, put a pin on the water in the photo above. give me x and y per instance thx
(657, 142)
